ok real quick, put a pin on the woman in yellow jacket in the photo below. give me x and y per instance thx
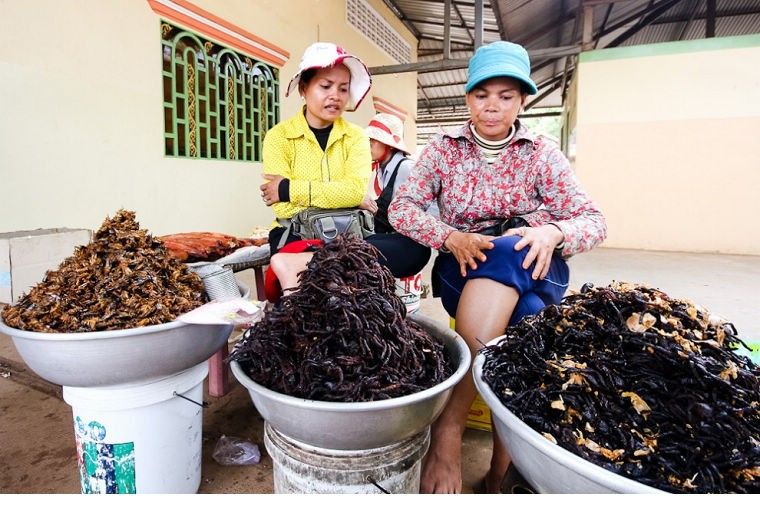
(318, 159)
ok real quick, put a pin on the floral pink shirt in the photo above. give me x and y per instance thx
(531, 179)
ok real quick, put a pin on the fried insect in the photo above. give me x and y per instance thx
(641, 384)
(124, 278)
(342, 336)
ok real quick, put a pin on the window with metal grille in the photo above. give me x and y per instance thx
(218, 103)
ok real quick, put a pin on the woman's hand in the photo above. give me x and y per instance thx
(369, 204)
(542, 241)
(270, 191)
(467, 248)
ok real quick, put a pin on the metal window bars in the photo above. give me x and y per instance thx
(218, 103)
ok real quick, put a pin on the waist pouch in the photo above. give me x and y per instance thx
(328, 224)
(499, 229)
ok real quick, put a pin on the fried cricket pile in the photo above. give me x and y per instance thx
(638, 383)
(123, 279)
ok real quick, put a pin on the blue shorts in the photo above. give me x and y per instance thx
(503, 264)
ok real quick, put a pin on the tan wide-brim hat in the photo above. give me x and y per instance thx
(388, 129)
(326, 54)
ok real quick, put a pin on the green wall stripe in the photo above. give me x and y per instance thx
(666, 48)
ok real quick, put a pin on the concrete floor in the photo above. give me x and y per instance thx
(37, 453)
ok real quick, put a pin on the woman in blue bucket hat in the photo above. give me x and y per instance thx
(511, 212)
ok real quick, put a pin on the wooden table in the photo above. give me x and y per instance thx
(218, 370)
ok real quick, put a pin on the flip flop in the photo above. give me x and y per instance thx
(514, 483)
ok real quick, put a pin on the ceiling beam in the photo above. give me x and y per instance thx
(573, 39)
(541, 30)
(424, 95)
(547, 82)
(592, 3)
(687, 24)
(440, 39)
(444, 85)
(464, 25)
(588, 28)
(437, 103)
(438, 51)
(643, 22)
(447, 29)
(461, 63)
(425, 121)
(698, 15)
(478, 23)
(710, 22)
(604, 24)
(628, 19)
(499, 20)
(544, 94)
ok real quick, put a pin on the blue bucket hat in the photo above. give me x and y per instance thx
(500, 59)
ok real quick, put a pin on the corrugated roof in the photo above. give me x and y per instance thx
(542, 24)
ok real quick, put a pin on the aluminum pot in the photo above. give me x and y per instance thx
(549, 468)
(361, 425)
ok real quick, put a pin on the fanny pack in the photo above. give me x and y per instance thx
(328, 224)
(499, 229)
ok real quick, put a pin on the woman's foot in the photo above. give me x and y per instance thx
(442, 468)
(500, 461)
(492, 481)
(287, 266)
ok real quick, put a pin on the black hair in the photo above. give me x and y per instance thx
(307, 75)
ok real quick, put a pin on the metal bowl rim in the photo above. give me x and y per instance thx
(366, 406)
(98, 334)
(558, 454)
(85, 336)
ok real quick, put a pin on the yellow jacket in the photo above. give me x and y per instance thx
(334, 178)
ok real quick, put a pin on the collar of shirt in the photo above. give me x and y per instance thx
(393, 161)
(298, 127)
(464, 132)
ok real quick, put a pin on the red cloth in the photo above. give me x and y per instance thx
(272, 288)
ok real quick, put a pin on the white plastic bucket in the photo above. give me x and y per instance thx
(409, 289)
(299, 468)
(140, 437)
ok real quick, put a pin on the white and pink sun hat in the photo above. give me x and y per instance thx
(326, 54)
(387, 129)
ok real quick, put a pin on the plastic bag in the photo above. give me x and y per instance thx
(235, 451)
(241, 313)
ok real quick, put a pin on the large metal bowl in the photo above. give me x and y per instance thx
(116, 357)
(548, 467)
(361, 425)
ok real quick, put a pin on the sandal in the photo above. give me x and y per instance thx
(514, 483)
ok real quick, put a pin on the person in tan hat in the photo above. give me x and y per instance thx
(511, 212)
(317, 159)
(391, 167)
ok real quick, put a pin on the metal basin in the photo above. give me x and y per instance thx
(548, 467)
(116, 357)
(361, 425)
